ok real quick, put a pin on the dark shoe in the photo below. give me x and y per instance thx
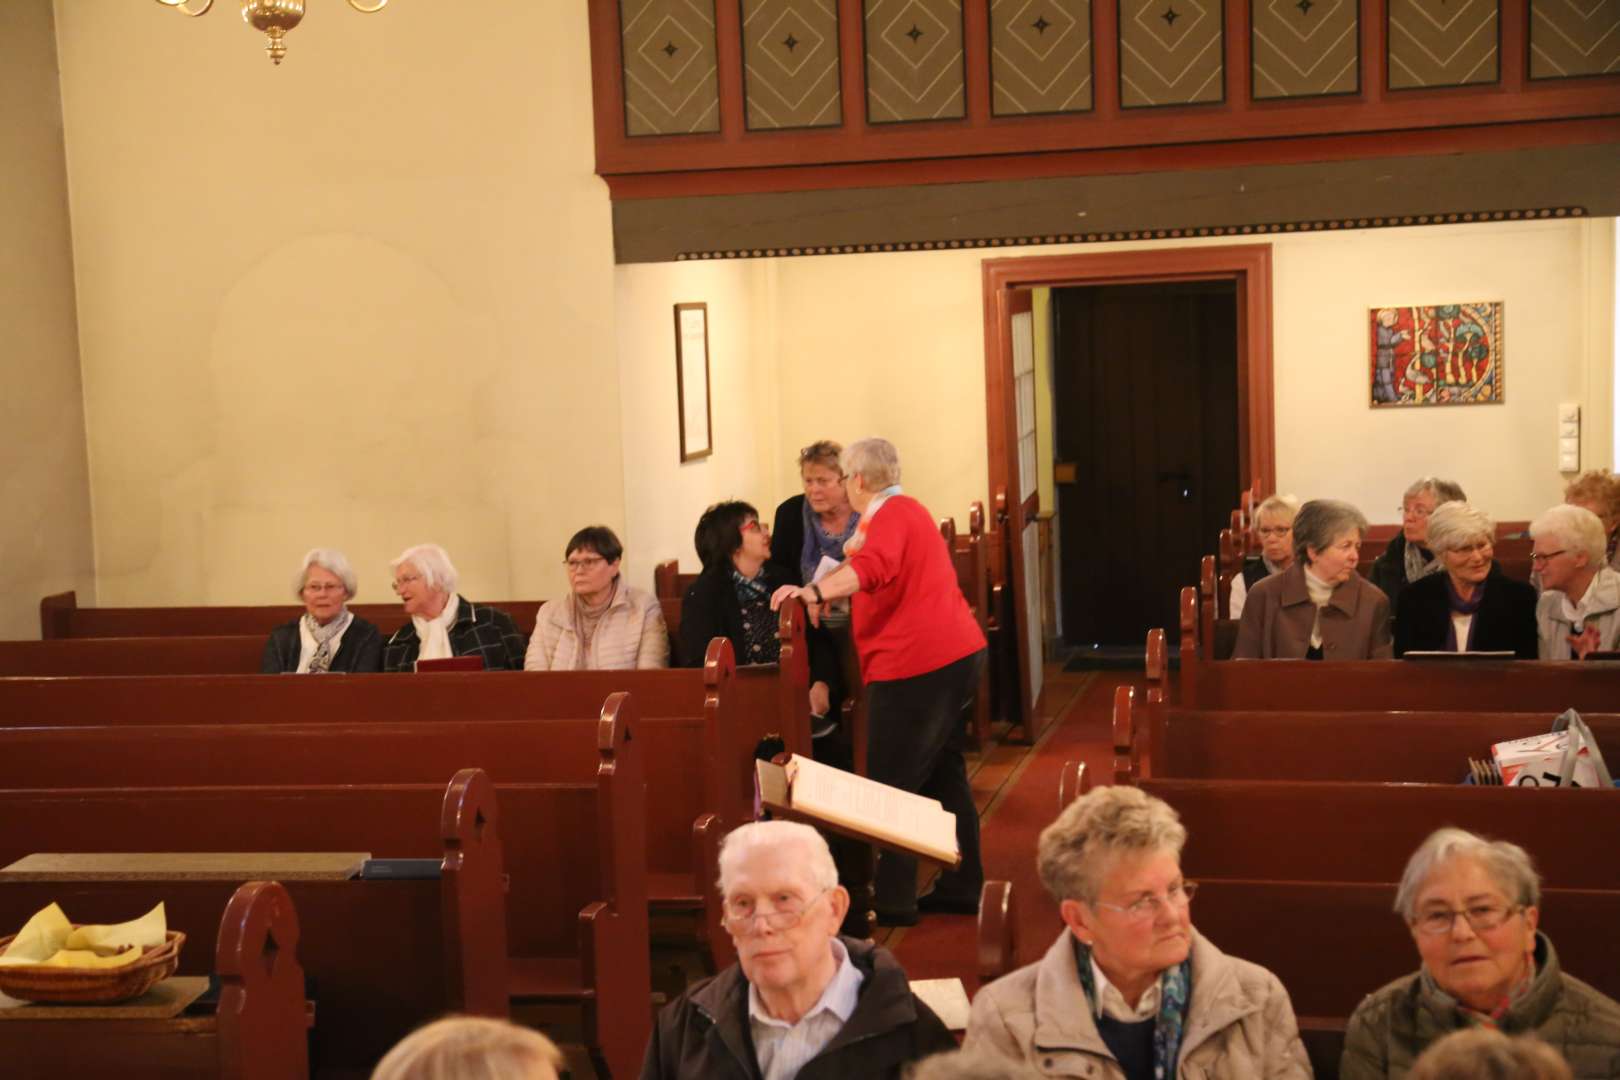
(935, 904)
(896, 918)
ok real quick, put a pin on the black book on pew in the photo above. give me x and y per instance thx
(400, 869)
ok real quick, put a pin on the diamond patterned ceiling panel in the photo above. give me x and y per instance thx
(1040, 56)
(1569, 38)
(1443, 43)
(1304, 48)
(670, 86)
(790, 63)
(1170, 52)
(914, 60)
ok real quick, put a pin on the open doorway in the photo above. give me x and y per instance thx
(1145, 444)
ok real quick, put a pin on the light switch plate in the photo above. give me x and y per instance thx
(1569, 414)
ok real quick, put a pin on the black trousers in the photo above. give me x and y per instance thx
(914, 728)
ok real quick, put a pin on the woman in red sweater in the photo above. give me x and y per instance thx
(920, 652)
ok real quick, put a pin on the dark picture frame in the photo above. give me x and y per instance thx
(692, 408)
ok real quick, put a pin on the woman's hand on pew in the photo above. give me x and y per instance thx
(1583, 643)
(820, 699)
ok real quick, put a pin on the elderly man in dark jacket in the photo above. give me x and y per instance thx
(801, 1001)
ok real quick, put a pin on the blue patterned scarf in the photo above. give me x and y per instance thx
(1175, 989)
(818, 542)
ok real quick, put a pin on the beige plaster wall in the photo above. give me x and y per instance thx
(364, 299)
(893, 343)
(45, 534)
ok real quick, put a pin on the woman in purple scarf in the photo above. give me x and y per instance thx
(1473, 606)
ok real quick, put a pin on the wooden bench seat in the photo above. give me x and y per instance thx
(573, 852)
(255, 1031)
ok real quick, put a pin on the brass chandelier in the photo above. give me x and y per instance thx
(272, 17)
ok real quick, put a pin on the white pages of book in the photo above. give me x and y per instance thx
(909, 821)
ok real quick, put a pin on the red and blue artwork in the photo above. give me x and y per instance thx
(1445, 354)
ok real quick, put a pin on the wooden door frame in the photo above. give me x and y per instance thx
(1248, 266)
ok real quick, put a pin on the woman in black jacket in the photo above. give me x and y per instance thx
(1408, 558)
(732, 599)
(328, 636)
(815, 525)
(1472, 606)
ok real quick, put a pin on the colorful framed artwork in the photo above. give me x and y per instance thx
(1442, 354)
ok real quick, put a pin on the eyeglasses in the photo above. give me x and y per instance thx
(750, 526)
(583, 563)
(1178, 896)
(1480, 917)
(741, 913)
(1416, 511)
(324, 586)
(1541, 557)
(1274, 530)
(409, 579)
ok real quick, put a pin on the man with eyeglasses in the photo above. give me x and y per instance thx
(801, 1001)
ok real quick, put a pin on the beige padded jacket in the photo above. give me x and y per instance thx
(631, 635)
(1240, 1023)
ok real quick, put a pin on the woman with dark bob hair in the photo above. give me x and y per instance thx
(604, 624)
(732, 599)
(1319, 608)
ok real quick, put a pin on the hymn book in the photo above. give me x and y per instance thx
(806, 790)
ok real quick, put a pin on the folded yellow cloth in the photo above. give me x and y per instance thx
(49, 938)
(84, 958)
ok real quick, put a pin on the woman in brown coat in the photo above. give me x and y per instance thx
(1319, 608)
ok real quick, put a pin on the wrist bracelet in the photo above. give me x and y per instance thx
(816, 588)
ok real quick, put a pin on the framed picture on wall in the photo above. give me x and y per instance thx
(692, 380)
(1440, 354)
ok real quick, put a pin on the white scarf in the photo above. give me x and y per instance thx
(1320, 592)
(434, 633)
(858, 541)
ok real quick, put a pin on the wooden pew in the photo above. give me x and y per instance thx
(577, 927)
(383, 955)
(233, 655)
(256, 1031)
(61, 617)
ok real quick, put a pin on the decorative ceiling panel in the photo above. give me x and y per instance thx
(1040, 56)
(1170, 52)
(1574, 37)
(670, 87)
(790, 63)
(914, 60)
(1304, 48)
(1443, 43)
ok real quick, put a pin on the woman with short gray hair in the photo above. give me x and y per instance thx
(1472, 906)
(921, 651)
(327, 637)
(1579, 609)
(1472, 606)
(1130, 990)
(442, 623)
(1319, 608)
(1409, 556)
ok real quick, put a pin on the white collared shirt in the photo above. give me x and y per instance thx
(1112, 1004)
(782, 1048)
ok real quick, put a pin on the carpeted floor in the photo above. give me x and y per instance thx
(1016, 788)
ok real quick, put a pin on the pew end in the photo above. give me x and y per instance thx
(261, 996)
(997, 952)
(473, 887)
(1073, 781)
(56, 615)
(1126, 767)
(718, 949)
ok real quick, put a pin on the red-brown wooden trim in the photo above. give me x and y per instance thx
(820, 175)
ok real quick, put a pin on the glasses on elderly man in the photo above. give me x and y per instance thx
(1147, 907)
(787, 911)
(1480, 917)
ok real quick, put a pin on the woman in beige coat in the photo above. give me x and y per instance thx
(603, 624)
(1130, 991)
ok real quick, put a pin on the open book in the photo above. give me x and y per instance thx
(807, 790)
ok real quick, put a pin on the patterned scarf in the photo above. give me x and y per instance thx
(1459, 606)
(321, 662)
(1175, 989)
(819, 543)
(1419, 563)
(858, 541)
(1492, 1018)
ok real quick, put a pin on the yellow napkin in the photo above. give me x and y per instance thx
(84, 958)
(148, 931)
(42, 938)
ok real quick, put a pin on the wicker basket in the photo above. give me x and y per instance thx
(91, 986)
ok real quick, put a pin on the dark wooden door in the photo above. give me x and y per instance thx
(1146, 439)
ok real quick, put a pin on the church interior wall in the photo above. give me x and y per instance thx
(46, 536)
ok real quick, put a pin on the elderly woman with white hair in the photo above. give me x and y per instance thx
(800, 1001)
(1472, 906)
(1472, 606)
(1130, 990)
(920, 650)
(327, 636)
(1274, 526)
(1408, 556)
(1579, 609)
(444, 624)
(1319, 608)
